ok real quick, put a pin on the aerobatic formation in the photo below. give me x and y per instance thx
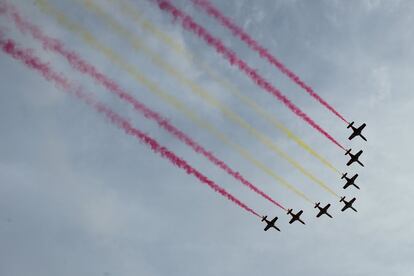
(132, 14)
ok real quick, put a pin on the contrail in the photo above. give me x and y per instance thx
(237, 31)
(83, 66)
(9, 47)
(189, 24)
(178, 49)
(138, 45)
(153, 88)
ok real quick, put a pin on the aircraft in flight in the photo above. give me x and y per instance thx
(354, 157)
(350, 180)
(356, 131)
(322, 210)
(295, 216)
(348, 204)
(270, 223)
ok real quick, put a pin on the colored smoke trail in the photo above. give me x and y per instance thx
(237, 31)
(9, 47)
(178, 49)
(189, 24)
(83, 66)
(170, 99)
(139, 45)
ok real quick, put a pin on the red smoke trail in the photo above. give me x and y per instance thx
(211, 10)
(188, 23)
(81, 65)
(29, 59)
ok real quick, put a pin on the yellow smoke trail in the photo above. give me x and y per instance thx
(138, 45)
(139, 19)
(152, 87)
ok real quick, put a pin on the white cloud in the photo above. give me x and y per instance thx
(85, 199)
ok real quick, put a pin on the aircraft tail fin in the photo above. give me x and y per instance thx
(344, 175)
(351, 124)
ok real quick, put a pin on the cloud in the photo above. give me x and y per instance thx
(85, 199)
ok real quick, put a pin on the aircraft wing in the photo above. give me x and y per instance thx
(352, 200)
(319, 214)
(267, 227)
(300, 213)
(344, 208)
(350, 162)
(273, 220)
(291, 220)
(352, 135)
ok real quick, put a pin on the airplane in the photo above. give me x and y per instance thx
(356, 131)
(295, 216)
(348, 204)
(354, 157)
(270, 223)
(350, 180)
(322, 210)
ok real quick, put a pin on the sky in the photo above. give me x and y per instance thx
(80, 197)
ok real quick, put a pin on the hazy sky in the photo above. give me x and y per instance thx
(79, 197)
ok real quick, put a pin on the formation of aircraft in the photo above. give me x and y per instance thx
(348, 204)
(295, 217)
(322, 210)
(350, 180)
(270, 223)
(354, 157)
(356, 131)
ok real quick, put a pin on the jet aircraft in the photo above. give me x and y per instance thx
(348, 204)
(295, 216)
(356, 131)
(350, 180)
(322, 210)
(270, 223)
(354, 157)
